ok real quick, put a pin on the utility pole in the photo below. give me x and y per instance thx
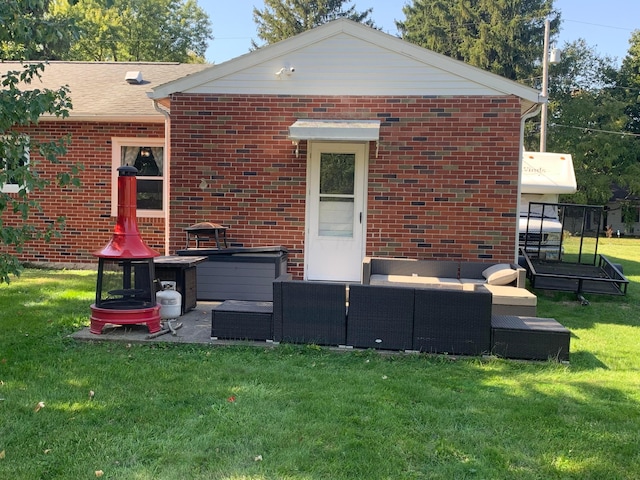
(547, 58)
(545, 87)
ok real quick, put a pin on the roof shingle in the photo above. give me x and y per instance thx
(99, 90)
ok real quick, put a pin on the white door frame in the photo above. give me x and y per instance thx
(360, 223)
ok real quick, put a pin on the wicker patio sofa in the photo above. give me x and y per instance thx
(506, 282)
(426, 320)
(389, 317)
(381, 317)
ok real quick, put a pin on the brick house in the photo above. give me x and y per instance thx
(338, 143)
(111, 119)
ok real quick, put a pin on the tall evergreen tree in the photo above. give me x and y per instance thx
(502, 36)
(282, 19)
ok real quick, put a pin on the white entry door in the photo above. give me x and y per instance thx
(334, 246)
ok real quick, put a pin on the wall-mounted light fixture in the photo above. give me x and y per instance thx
(286, 71)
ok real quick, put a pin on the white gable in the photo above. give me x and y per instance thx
(346, 58)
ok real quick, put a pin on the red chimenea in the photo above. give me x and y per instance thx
(125, 289)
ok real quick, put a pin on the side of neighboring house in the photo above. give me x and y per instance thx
(623, 213)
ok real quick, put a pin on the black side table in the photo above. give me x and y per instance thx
(181, 270)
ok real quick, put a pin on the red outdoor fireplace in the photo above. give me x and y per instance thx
(125, 288)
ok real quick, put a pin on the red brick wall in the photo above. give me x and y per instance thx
(444, 184)
(87, 209)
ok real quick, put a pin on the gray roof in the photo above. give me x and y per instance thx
(99, 91)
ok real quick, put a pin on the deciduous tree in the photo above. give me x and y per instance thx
(29, 31)
(137, 30)
(628, 91)
(587, 118)
(23, 35)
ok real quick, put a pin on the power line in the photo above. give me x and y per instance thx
(588, 129)
(599, 25)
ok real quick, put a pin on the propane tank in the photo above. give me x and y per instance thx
(170, 301)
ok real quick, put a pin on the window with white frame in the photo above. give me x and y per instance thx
(14, 161)
(147, 155)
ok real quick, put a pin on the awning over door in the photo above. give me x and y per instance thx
(335, 130)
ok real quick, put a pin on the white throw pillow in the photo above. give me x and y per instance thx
(500, 274)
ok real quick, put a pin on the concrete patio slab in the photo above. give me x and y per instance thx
(196, 328)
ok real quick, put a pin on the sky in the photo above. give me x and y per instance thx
(605, 25)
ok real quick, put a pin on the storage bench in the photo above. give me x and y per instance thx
(529, 338)
(239, 273)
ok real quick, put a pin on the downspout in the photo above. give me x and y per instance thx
(532, 112)
(167, 175)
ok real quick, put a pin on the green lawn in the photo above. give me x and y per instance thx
(302, 412)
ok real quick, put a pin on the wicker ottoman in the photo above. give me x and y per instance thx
(529, 338)
(242, 320)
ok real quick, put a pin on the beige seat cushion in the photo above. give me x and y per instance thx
(415, 281)
(511, 295)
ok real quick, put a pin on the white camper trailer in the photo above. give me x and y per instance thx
(545, 175)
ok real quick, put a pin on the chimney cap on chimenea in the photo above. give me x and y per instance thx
(126, 242)
(127, 171)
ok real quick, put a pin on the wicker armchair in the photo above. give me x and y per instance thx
(380, 317)
(309, 312)
(449, 321)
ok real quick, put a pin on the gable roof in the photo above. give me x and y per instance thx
(99, 91)
(343, 57)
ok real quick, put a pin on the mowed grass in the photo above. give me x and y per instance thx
(304, 412)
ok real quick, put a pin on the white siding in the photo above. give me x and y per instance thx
(344, 65)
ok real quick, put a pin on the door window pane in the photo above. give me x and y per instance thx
(337, 173)
(336, 217)
(336, 196)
